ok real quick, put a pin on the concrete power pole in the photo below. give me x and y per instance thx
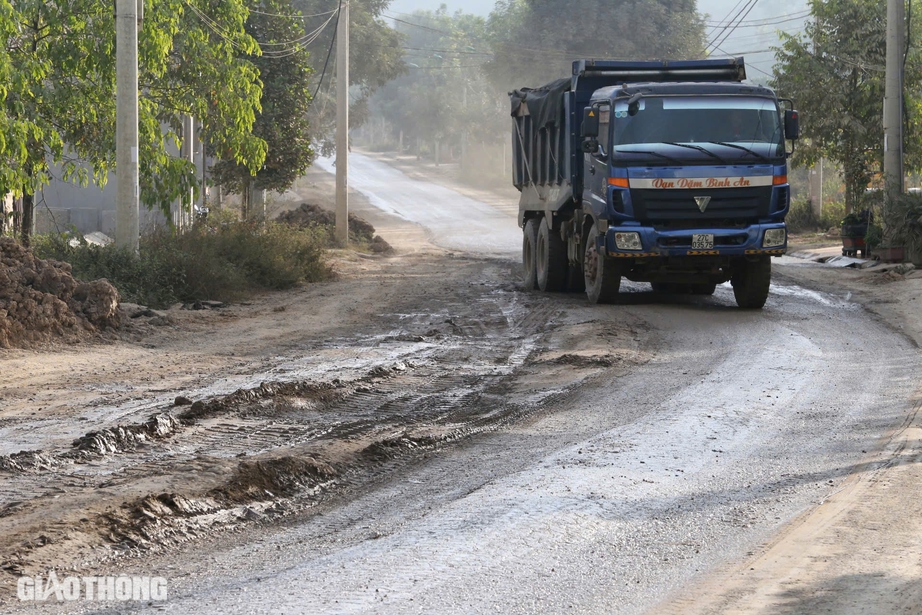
(816, 188)
(187, 151)
(342, 125)
(127, 196)
(816, 173)
(893, 98)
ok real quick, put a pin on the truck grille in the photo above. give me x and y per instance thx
(726, 204)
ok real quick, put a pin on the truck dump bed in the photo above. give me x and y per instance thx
(546, 120)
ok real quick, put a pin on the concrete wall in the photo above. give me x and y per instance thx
(63, 205)
(88, 220)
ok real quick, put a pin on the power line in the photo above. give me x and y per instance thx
(727, 18)
(329, 51)
(299, 44)
(457, 52)
(410, 23)
(748, 66)
(292, 15)
(768, 21)
(732, 24)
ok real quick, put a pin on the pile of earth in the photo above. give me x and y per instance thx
(40, 300)
(360, 231)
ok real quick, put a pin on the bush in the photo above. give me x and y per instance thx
(224, 262)
(833, 213)
(802, 219)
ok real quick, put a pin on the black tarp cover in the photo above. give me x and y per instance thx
(545, 104)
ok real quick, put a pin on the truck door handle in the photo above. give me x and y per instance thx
(592, 170)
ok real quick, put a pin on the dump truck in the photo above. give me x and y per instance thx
(667, 172)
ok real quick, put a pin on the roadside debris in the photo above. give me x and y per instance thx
(40, 300)
(359, 230)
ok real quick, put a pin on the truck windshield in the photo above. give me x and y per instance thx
(729, 126)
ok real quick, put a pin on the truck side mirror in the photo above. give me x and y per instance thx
(590, 126)
(791, 124)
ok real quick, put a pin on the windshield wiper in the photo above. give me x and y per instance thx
(742, 148)
(644, 151)
(697, 147)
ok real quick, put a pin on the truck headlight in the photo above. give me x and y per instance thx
(628, 241)
(774, 237)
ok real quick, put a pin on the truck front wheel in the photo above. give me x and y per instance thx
(602, 274)
(551, 259)
(751, 282)
(529, 249)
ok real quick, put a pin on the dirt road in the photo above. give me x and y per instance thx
(432, 439)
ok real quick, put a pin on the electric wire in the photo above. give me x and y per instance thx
(329, 51)
(767, 21)
(294, 46)
(720, 39)
(726, 19)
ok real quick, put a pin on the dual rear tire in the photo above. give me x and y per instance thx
(544, 258)
(546, 265)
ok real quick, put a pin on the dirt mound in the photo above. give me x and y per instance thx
(270, 477)
(359, 230)
(40, 300)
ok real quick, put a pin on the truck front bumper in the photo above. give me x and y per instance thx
(727, 241)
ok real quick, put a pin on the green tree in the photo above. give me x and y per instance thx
(536, 41)
(61, 99)
(375, 58)
(444, 96)
(835, 73)
(285, 71)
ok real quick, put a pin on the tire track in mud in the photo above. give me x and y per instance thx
(278, 448)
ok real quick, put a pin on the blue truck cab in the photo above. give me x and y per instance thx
(673, 173)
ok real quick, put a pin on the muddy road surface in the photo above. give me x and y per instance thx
(421, 436)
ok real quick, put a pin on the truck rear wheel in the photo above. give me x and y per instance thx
(551, 259)
(750, 283)
(602, 275)
(529, 249)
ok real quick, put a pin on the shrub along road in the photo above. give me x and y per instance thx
(433, 439)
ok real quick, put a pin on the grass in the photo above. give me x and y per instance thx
(223, 261)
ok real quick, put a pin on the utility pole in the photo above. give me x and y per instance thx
(127, 195)
(893, 99)
(342, 125)
(816, 173)
(187, 151)
(816, 188)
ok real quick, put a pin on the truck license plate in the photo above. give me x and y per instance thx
(702, 242)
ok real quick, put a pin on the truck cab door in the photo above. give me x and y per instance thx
(596, 165)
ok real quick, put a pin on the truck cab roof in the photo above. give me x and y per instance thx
(610, 93)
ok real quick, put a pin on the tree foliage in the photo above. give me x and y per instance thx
(60, 101)
(536, 41)
(444, 94)
(375, 58)
(835, 73)
(285, 71)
